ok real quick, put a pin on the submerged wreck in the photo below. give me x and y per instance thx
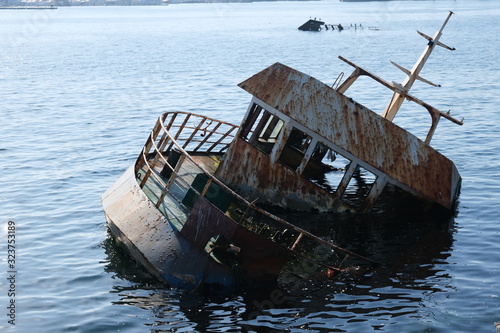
(191, 207)
(311, 25)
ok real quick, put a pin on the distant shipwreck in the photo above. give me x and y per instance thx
(317, 25)
(191, 207)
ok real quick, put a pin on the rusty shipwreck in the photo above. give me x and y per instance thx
(191, 207)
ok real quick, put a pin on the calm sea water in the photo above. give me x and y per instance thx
(80, 89)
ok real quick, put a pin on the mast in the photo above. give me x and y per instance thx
(398, 98)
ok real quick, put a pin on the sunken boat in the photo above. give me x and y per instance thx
(311, 25)
(196, 207)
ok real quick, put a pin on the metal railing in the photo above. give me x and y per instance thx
(188, 134)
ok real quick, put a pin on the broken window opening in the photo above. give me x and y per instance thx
(251, 122)
(326, 168)
(219, 197)
(295, 148)
(262, 129)
(173, 158)
(359, 186)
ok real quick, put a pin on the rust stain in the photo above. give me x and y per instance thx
(275, 183)
(363, 133)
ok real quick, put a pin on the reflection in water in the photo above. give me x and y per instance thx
(412, 252)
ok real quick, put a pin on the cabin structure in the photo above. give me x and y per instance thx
(305, 145)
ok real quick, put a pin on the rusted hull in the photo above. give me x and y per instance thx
(189, 229)
(258, 259)
(179, 257)
(154, 243)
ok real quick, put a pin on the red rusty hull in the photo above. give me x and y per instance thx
(259, 259)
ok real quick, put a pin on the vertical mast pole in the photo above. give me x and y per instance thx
(397, 99)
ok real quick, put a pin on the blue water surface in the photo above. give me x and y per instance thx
(81, 87)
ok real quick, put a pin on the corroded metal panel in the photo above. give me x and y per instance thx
(260, 258)
(275, 182)
(358, 130)
(135, 221)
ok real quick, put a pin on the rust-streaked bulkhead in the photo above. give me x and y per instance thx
(368, 140)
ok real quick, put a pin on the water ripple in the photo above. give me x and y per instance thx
(82, 87)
